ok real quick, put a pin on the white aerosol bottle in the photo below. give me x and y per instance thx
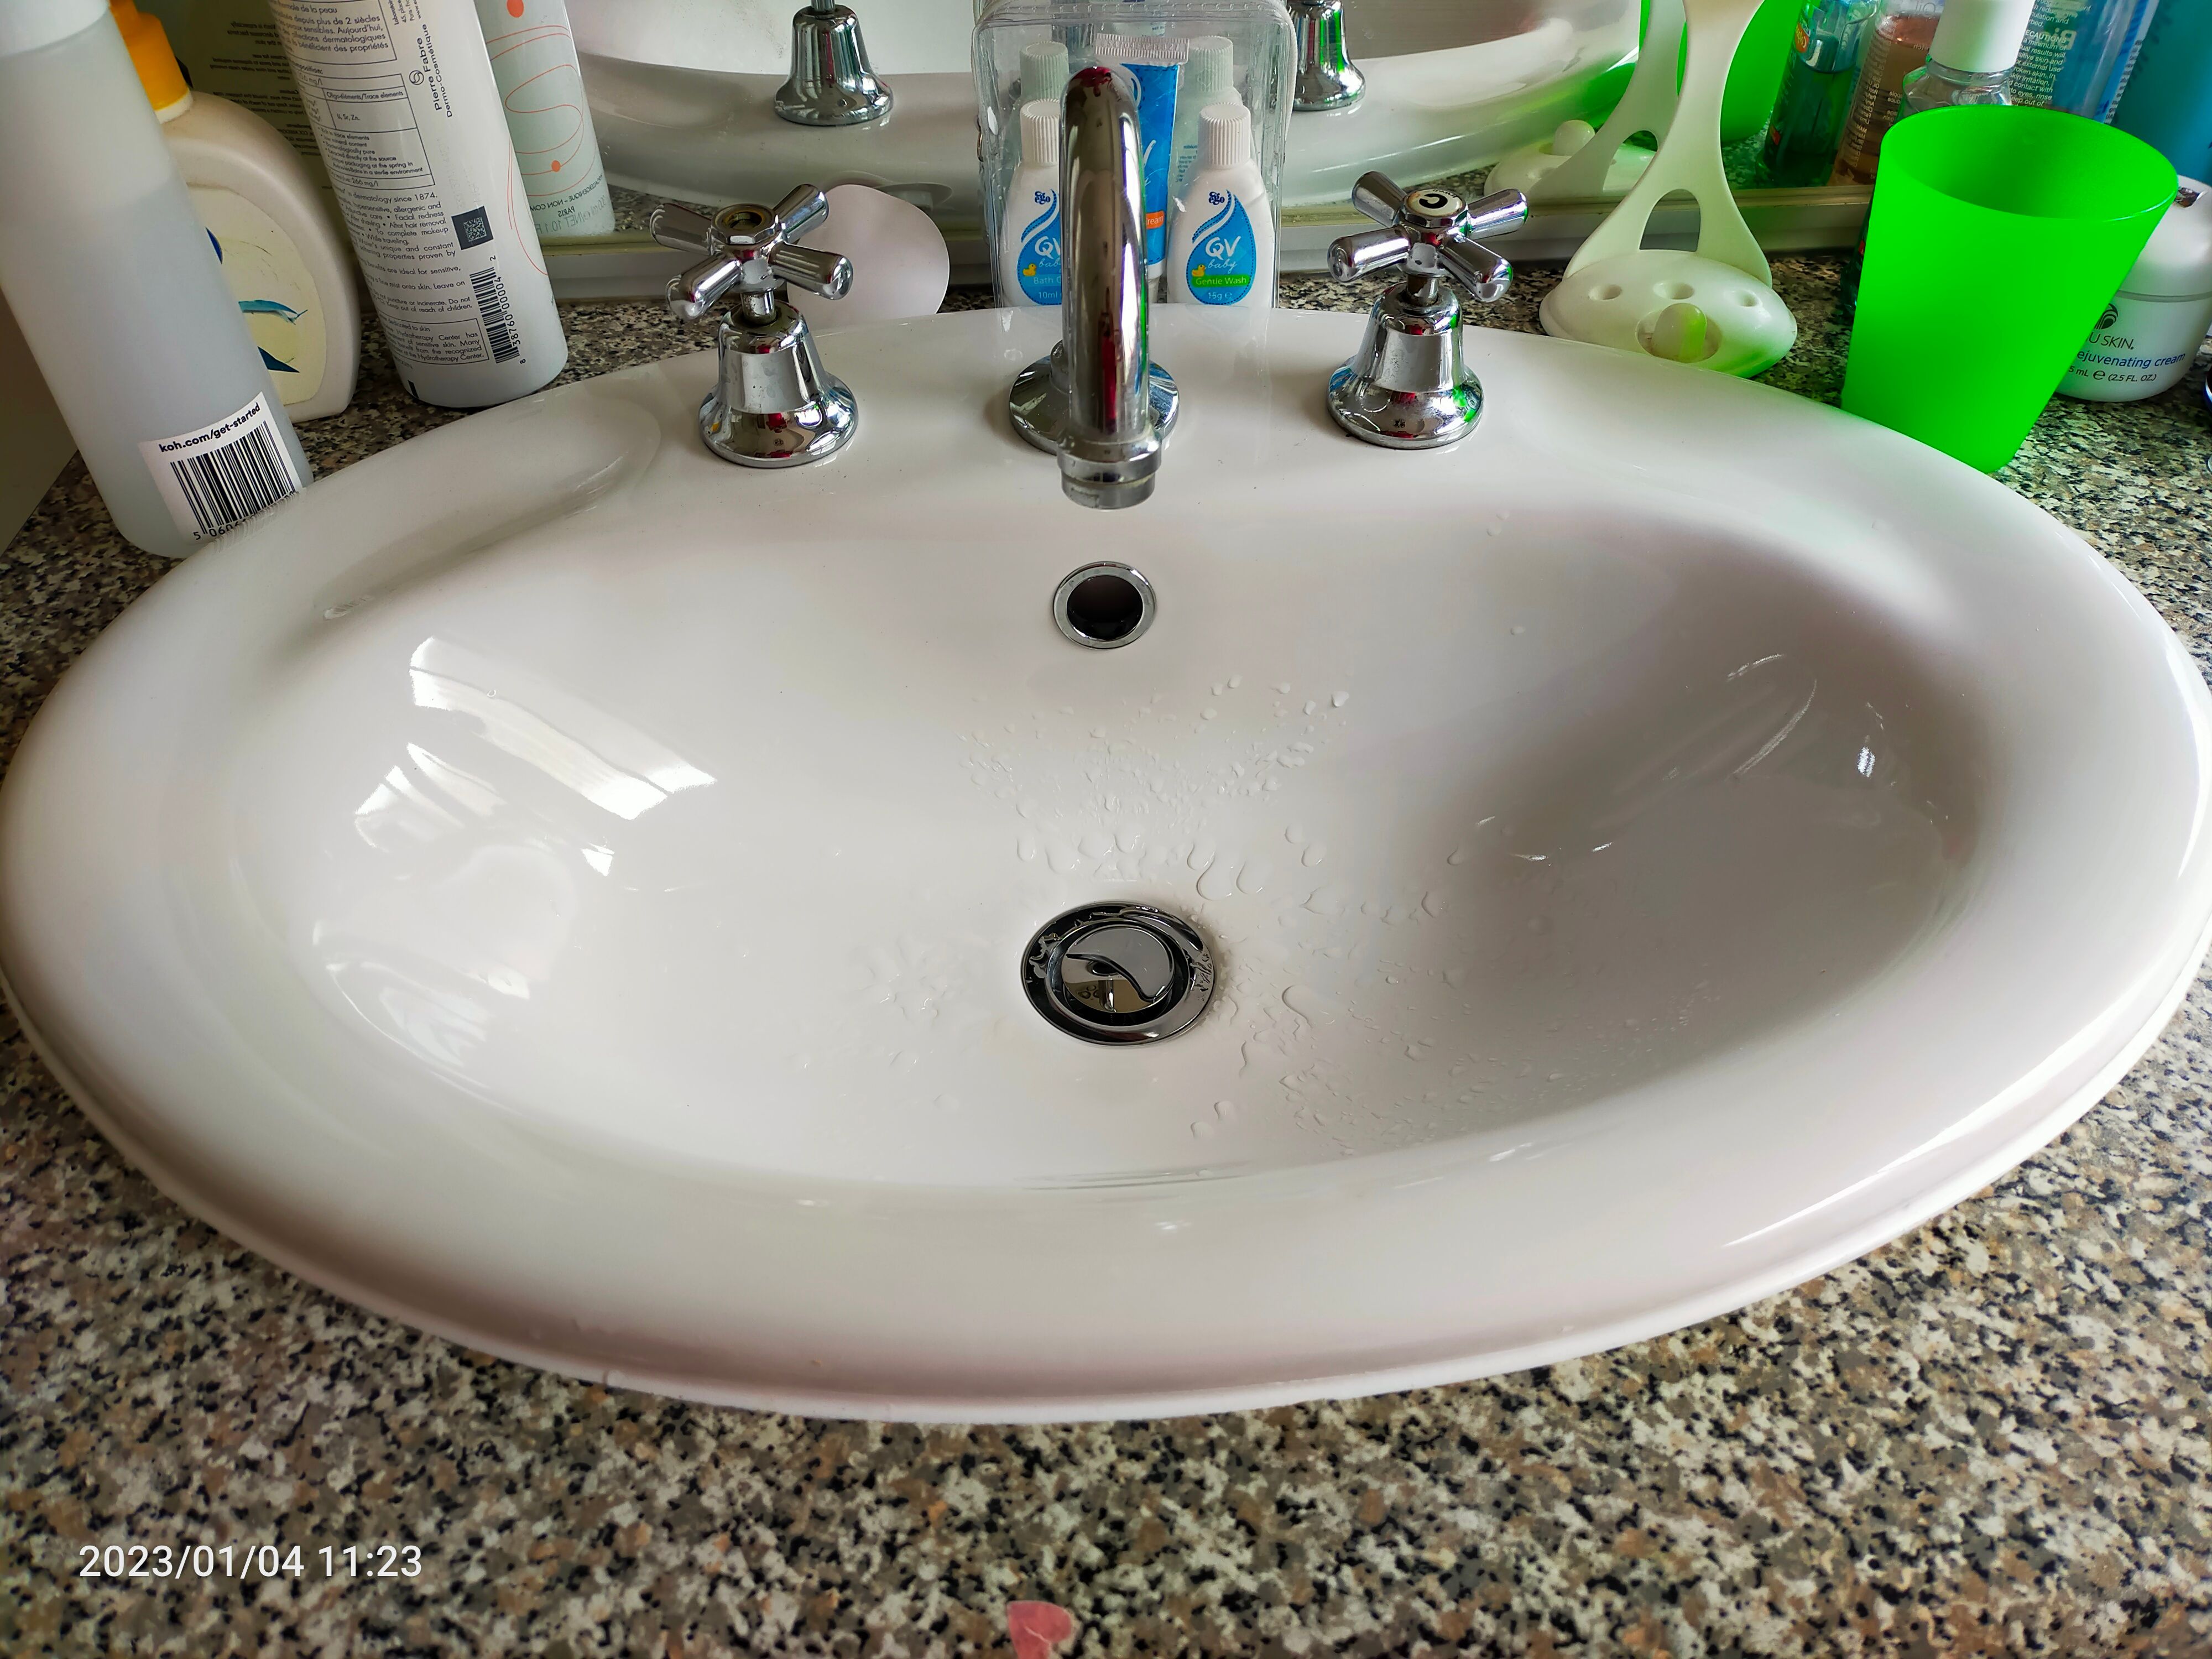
(533, 58)
(409, 120)
(117, 288)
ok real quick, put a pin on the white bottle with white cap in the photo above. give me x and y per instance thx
(2155, 325)
(1029, 228)
(1223, 252)
(1975, 44)
(1209, 77)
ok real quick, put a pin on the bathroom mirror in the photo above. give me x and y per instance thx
(682, 95)
(682, 92)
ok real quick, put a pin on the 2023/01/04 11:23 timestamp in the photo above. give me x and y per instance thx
(246, 1561)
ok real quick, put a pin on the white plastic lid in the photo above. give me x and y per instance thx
(26, 25)
(1210, 74)
(1224, 136)
(1041, 133)
(1980, 37)
(1044, 69)
(2177, 263)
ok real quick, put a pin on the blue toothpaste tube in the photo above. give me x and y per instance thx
(1154, 63)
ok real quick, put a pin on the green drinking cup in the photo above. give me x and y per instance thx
(1999, 235)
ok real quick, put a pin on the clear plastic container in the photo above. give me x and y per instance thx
(1167, 46)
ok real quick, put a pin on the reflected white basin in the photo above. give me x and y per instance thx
(567, 892)
(681, 91)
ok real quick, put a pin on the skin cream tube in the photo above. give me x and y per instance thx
(1154, 63)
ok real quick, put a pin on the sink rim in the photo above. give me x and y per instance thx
(2107, 1046)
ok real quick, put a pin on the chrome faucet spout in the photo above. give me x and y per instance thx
(1098, 400)
(1111, 452)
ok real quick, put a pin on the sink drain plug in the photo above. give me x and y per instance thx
(1118, 973)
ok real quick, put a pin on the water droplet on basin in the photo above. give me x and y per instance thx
(1315, 854)
(1436, 903)
(1312, 1005)
(1218, 879)
(1340, 700)
(1520, 628)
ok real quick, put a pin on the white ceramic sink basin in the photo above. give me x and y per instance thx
(568, 892)
(682, 94)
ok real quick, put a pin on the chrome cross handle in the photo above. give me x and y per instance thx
(1430, 231)
(751, 249)
(774, 404)
(1409, 386)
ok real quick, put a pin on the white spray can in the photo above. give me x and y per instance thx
(533, 58)
(409, 120)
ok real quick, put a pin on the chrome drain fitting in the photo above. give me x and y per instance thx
(1103, 606)
(1118, 973)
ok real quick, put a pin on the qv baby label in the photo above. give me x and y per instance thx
(1221, 254)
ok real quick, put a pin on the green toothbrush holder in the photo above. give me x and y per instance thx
(1998, 236)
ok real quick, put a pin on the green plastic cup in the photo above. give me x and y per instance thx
(1999, 235)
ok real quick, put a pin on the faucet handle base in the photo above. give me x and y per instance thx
(774, 404)
(1408, 386)
(1403, 420)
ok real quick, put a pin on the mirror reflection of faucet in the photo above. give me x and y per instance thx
(1325, 77)
(832, 83)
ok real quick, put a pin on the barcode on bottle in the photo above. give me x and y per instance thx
(234, 482)
(498, 316)
(222, 474)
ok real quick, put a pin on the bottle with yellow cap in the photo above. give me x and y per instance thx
(281, 252)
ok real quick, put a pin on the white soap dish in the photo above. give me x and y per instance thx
(1674, 305)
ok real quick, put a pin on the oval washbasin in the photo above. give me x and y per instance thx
(682, 94)
(570, 893)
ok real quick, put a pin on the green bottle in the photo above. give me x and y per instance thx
(1807, 125)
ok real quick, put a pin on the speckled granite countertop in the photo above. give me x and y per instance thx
(1990, 1437)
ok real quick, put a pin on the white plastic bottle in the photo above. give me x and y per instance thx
(1209, 77)
(1223, 250)
(408, 117)
(281, 252)
(1029, 230)
(533, 58)
(118, 291)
